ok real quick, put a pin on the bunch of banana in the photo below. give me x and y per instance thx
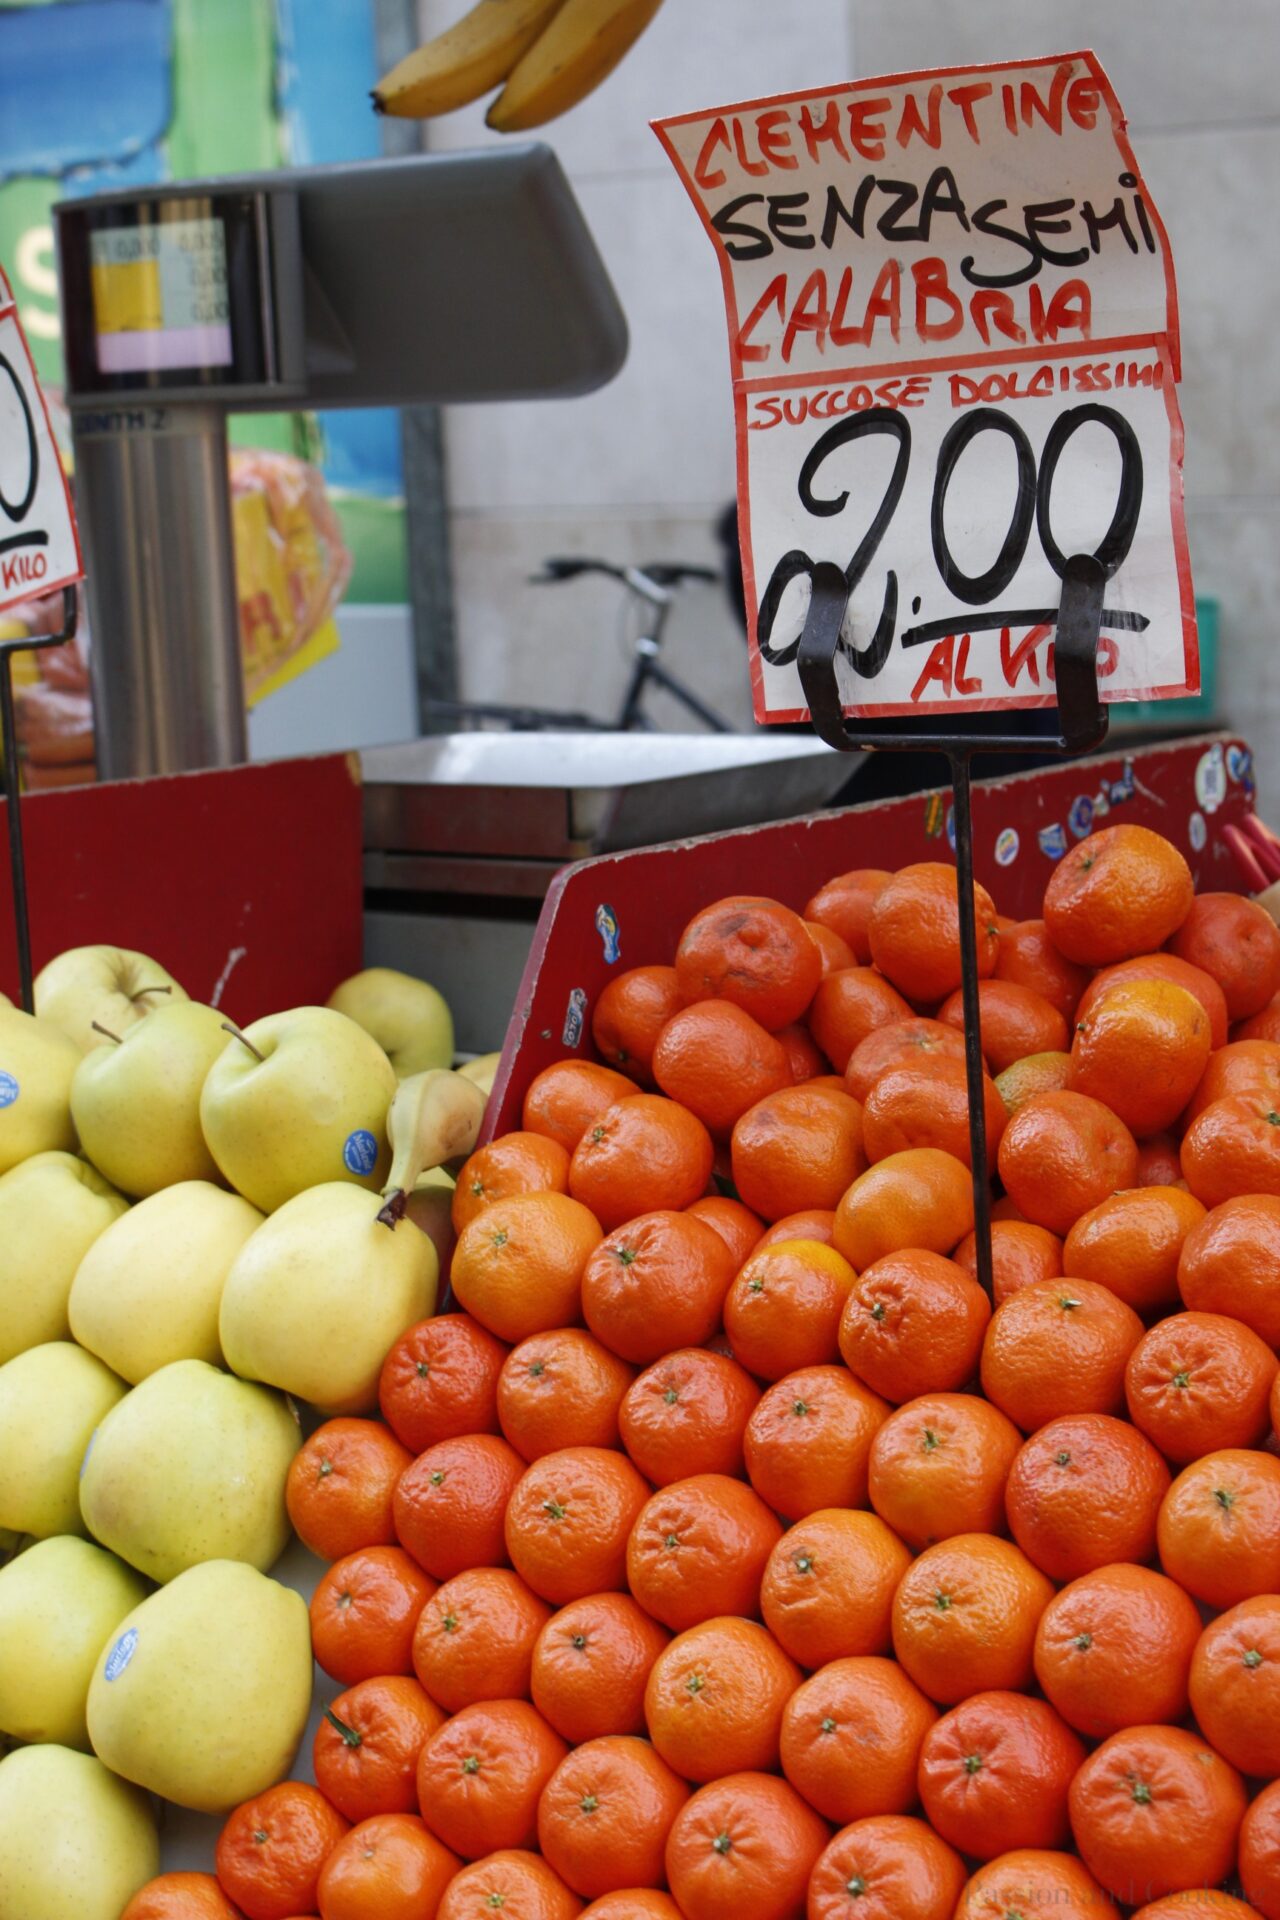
(434, 1118)
(550, 53)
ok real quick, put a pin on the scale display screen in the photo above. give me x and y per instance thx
(160, 298)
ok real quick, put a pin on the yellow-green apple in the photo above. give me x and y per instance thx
(76, 1843)
(410, 1020)
(111, 985)
(53, 1207)
(37, 1064)
(59, 1601)
(136, 1101)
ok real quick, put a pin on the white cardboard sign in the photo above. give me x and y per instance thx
(953, 336)
(39, 544)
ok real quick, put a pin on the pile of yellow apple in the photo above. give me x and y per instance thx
(193, 1236)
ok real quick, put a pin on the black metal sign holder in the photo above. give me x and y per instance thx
(1082, 725)
(13, 784)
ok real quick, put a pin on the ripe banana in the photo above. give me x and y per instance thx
(483, 1070)
(435, 1116)
(581, 46)
(475, 55)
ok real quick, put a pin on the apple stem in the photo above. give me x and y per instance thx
(105, 1032)
(229, 1026)
(350, 1737)
(393, 1209)
(145, 990)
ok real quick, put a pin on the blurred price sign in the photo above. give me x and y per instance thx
(953, 333)
(39, 545)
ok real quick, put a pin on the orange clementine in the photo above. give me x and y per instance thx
(364, 1611)
(1156, 1811)
(1056, 1347)
(271, 1850)
(180, 1896)
(914, 931)
(922, 1198)
(1238, 943)
(783, 1309)
(1020, 1253)
(738, 1227)
(686, 1415)
(449, 1505)
(634, 1903)
(938, 1467)
(717, 1061)
(913, 1323)
(517, 1163)
(808, 1441)
(904, 1043)
(1219, 1530)
(517, 1268)
(797, 1150)
(752, 952)
(656, 1283)
(1030, 1880)
(627, 1018)
(844, 905)
(1199, 1382)
(1014, 1022)
(894, 1867)
(605, 1814)
(1121, 892)
(1028, 958)
(1235, 1690)
(1027, 1079)
(440, 1381)
(1260, 1852)
(995, 1772)
(1246, 1066)
(1260, 1026)
(698, 1548)
(1232, 1148)
(475, 1638)
(340, 1487)
(851, 1739)
(965, 1616)
(591, 1663)
(715, 1698)
(813, 1223)
(1141, 1049)
(1132, 1243)
(1114, 1648)
(828, 1588)
(1084, 1492)
(387, 1868)
(743, 1849)
(849, 1005)
(927, 1105)
(565, 1098)
(1229, 1261)
(1204, 1903)
(518, 1882)
(644, 1152)
(833, 952)
(1063, 1154)
(480, 1776)
(561, 1389)
(568, 1520)
(365, 1752)
(1163, 966)
(804, 1056)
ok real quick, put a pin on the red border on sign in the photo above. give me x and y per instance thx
(9, 310)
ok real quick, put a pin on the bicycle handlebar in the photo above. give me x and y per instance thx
(656, 573)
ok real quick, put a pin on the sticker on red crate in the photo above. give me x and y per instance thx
(953, 334)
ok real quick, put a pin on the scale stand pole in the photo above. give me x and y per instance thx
(13, 786)
(1082, 726)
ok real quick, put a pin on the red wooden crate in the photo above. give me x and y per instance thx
(628, 909)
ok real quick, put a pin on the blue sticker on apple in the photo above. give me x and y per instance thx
(121, 1654)
(9, 1089)
(360, 1152)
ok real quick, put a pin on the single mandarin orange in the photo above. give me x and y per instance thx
(849, 1005)
(271, 1850)
(851, 1739)
(1246, 1066)
(797, 1150)
(644, 1152)
(904, 1043)
(1232, 1148)
(965, 1616)
(783, 1309)
(1159, 1164)
(833, 952)
(1141, 1050)
(1121, 892)
(717, 1061)
(687, 1415)
(517, 1268)
(1237, 942)
(1031, 1880)
(1132, 1243)
(844, 906)
(561, 1389)
(480, 1776)
(1198, 1382)
(995, 1773)
(699, 1548)
(927, 1105)
(1162, 966)
(475, 1638)
(938, 1467)
(1056, 1347)
(743, 1849)
(181, 1896)
(364, 1611)
(1202, 1903)
(1260, 1852)
(1027, 1079)
(1260, 1026)
(656, 1282)
(893, 1867)
(365, 1752)
(565, 1098)
(1113, 1649)
(518, 1882)
(440, 1381)
(634, 1903)
(1229, 1260)
(568, 1521)
(752, 952)
(738, 1227)
(1061, 1155)
(1028, 958)
(1084, 1492)
(828, 1588)
(1020, 1253)
(450, 1504)
(913, 1323)
(340, 1487)
(517, 1163)
(804, 1056)
(629, 1015)
(1014, 1022)
(591, 1663)
(605, 1814)
(1235, 1685)
(812, 1223)
(1219, 1529)
(919, 1199)
(1155, 1811)
(808, 1441)
(715, 1698)
(914, 931)
(387, 1868)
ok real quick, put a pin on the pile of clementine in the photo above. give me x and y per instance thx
(729, 1553)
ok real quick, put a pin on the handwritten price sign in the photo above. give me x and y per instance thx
(953, 333)
(39, 546)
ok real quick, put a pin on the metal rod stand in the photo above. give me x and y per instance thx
(1082, 726)
(13, 786)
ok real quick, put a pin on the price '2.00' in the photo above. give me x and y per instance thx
(1032, 507)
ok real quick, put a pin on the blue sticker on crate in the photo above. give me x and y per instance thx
(1080, 818)
(1053, 841)
(9, 1089)
(610, 932)
(951, 828)
(121, 1654)
(1197, 832)
(1007, 844)
(574, 1017)
(360, 1152)
(1239, 763)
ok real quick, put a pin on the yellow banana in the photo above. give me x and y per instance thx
(435, 1116)
(483, 1070)
(475, 55)
(581, 45)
